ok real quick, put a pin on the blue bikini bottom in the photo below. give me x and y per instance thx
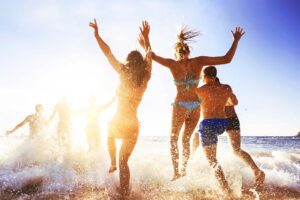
(189, 106)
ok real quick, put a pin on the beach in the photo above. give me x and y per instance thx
(36, 169)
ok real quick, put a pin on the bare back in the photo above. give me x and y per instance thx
(184, 70)
(130, 98)
(214, 98)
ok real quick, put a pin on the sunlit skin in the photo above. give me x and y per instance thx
(234, 139)
(125, 124)
(92, 129)
(63, 110)
(183, 68)
(35, 121)
(214, 97)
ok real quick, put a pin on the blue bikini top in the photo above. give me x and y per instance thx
(187, 83)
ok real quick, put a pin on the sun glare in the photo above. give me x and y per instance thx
(77, 85)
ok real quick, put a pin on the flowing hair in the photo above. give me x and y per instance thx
(135, 68)
(185, 36)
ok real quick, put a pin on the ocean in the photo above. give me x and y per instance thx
(37, 169)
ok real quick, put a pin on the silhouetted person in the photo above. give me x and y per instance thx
(134, 76)
(92, 129)
(63, 110)
(36, 122)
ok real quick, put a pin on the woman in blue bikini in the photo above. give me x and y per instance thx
(186, 108)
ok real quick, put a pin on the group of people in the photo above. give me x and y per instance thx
(214, 100)
(37, 122)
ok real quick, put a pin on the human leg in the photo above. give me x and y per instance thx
(210, 153)
(112, 153)
(125, 152)
(190, 125)
(178, 118)
(234, 138)
(195, 143)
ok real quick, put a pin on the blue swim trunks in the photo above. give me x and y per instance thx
(209, 130)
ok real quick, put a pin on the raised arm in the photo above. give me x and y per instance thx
(206, 60)
(167, 62)
(105, 48)
(145, 43)
(144, 36)
(19, 125)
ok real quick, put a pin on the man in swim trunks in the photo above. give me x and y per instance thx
(234, 139)
(214, 120)
(36, 122)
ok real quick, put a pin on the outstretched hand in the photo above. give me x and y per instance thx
(145, 29)
(238, 33)
(95, 27)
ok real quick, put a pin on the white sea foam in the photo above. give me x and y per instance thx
(24, 160)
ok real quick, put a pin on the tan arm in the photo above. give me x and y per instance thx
(105, 48)
(206, 60)
(167, 62)
(26, 120)
(232, 100)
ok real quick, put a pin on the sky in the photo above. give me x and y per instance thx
(48, 50)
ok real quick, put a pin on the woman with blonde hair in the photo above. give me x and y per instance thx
(186, 107)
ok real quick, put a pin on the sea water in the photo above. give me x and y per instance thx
(41, 162)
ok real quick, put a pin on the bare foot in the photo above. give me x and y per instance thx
(259, 180)
(176, 176)
(112, 168)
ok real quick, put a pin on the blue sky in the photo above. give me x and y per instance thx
(47, 50)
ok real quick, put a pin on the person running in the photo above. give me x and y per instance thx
(214, 121)
(186, 73)
(36, 122)
(92, 129)
(134, 75)
(63, 110)
(234, 139)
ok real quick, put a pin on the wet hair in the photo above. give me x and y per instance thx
(135, 68)
(38, 107)
(210, 71)
(184, 36)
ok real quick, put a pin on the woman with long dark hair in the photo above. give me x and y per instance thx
(134, 76)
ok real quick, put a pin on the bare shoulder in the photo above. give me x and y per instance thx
(226, 87)
(201, 89)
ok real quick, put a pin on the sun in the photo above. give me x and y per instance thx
(77, 84)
